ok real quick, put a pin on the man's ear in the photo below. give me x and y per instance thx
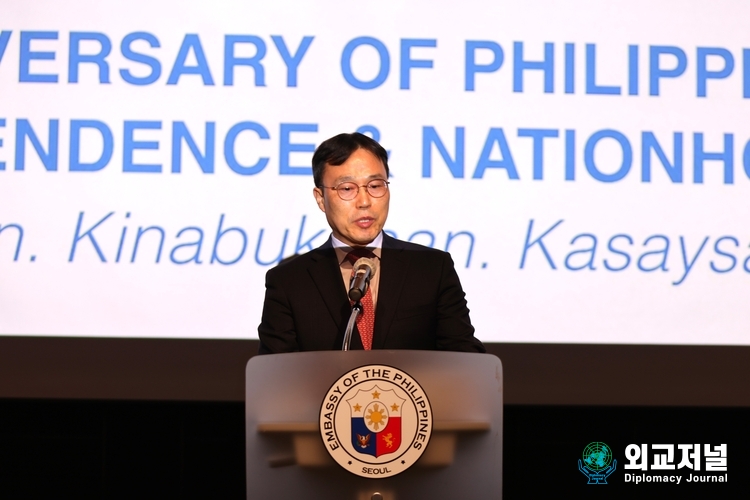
(318, 193)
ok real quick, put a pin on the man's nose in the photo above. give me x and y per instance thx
(363, 197)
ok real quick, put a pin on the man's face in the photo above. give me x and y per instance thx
(358, 221)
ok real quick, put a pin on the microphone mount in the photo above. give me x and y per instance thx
(362, 271)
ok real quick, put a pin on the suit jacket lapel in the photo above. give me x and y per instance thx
(326, 275)
(393, 270)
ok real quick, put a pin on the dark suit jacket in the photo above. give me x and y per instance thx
(421, 304)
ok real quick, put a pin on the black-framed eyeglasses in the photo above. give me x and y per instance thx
(349, 190)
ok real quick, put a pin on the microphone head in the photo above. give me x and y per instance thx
(364, 270)
(364, 261)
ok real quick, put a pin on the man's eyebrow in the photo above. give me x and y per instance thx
(349, 178)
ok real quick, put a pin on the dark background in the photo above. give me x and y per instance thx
(126, 418)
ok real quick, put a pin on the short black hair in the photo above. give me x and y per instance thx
(339, 148)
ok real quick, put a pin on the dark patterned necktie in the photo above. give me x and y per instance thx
(366, 319)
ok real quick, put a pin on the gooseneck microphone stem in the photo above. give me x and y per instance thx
(356, 309)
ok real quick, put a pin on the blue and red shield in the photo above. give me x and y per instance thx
(376, 421)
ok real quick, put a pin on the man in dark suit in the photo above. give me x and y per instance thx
(415, 299)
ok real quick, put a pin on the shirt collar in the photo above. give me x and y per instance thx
(342, 249)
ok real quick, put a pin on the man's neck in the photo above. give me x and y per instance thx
(376, 243)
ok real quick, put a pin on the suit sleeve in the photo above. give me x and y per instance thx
(454, 331)
(276, 330)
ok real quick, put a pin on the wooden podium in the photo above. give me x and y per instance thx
(287, 456)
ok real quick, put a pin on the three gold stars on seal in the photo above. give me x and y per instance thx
(375, 395)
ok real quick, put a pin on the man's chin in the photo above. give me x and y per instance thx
(363, 238)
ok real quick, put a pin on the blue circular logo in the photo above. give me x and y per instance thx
(597, 456)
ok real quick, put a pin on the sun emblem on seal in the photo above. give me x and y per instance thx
(376, 421)
(375, 417)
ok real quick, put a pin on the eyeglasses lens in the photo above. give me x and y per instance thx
(349, 190)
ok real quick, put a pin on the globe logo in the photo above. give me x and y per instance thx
(597, 456)
(596, 463)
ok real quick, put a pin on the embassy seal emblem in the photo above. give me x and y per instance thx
(376, 421)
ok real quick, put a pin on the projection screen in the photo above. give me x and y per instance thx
(586, 163)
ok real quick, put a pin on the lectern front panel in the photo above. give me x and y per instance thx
(287, 455)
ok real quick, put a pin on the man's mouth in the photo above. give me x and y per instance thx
(364, 222)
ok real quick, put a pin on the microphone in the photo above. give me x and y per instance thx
(364, 269)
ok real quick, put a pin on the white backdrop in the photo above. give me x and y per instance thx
(584, 162)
